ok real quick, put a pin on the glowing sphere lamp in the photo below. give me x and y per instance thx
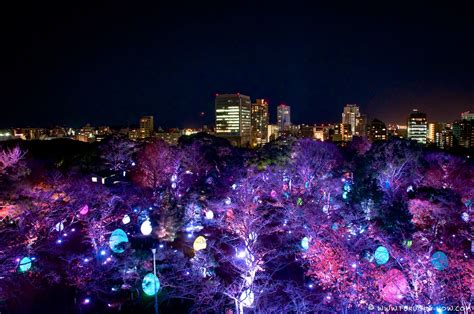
(126, 219)
(209, 215)
(84, 210)
(150, 284)
(381, 255)
(439, 260)
(199, 244)
(146, 228)
(117, 241)
(59, 227)
(305, 243)
(25, 264)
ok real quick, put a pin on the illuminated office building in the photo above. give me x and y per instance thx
(259, 122)
(417, 127)
(233, 118)
(146, 127)
(351, 116)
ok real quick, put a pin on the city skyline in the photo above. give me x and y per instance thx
(272, 116)
(71, 66)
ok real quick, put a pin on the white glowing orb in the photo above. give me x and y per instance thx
(305, 243)
(146, 227)
(209, 215)
(246, 298)
(228, 201)
(465, 217)
(59, 227)
(126, 219)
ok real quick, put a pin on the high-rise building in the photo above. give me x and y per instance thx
(417, 126)
(272, 132)
(351, 116)
(284, 117)
(259, 122)
(361, 125)
(342, 133)
(431, 132)
(377, 131)
(444, 137)
(233, 118)
(146, 127)
(463, 133)
(439, 134)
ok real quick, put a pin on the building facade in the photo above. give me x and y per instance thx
(351, 116)
(377, 131)
(361, 126)
(146, 127)
(342, 133)
(233, 118)
(417, 127)
(463, 133)
(260, 121)
(284, 117)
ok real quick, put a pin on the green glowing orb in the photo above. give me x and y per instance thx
(150, 284)
(439, 260)
(117, 241)
(381, 255)
(25, 264)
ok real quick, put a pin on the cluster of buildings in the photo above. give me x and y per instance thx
(91, 134)
(442, 134)
(247, 124)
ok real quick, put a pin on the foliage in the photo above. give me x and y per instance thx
(253, 208)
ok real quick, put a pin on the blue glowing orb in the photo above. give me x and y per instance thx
(381, 255)
(150, 284)
(439, 260)
(25, 264)
(305, 243)
(117, 241)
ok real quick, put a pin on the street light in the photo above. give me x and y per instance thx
(154, 280)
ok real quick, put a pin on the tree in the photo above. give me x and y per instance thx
(157, 162)
(117, 153)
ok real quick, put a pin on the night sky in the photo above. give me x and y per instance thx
(108, 64)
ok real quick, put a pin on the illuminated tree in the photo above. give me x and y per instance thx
(117, 153)
(156, 163)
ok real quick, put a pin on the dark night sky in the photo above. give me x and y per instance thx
(110, 63)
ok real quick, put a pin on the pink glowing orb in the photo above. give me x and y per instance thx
(393, 286)
(84, 210)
